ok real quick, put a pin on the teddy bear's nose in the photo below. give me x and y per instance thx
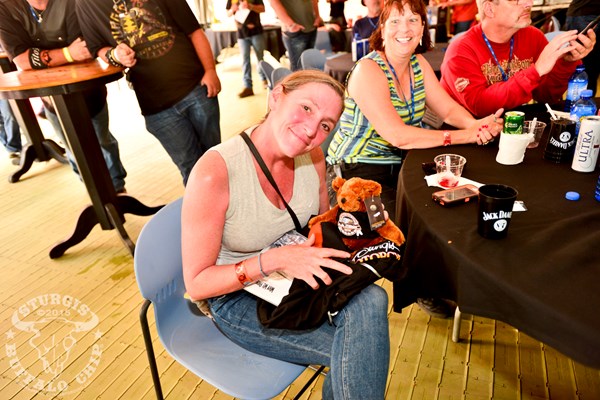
(343, 200)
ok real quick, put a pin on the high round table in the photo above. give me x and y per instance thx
(65, 85)
(542, 278)
(37, 148)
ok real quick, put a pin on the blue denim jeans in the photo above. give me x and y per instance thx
(10, 135)
(295, 43)
(108, 145)
(356, 347)
(258, 43)
(592, 67)
(187, 129)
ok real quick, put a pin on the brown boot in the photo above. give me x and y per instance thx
(245, 93)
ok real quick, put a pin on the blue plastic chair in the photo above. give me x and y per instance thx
(267, 69)
(313, 59)
(279, 73)
(323, 42)
(191, 338)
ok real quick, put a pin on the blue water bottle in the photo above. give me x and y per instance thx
(583, 107)
(577, 83)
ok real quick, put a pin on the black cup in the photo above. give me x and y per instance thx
(495, 210)
(560, 145)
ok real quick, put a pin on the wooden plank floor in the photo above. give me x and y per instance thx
(109, 362)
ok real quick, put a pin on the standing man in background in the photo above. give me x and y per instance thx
(579, 14)
(250, 34)
(299, 22)
(171, 68)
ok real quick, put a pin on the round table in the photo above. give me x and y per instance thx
(65, 85)
(541, 279)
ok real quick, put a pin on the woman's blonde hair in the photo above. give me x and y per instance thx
(297, 79)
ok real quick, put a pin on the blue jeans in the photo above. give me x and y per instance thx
(187, 129)
(258, 43)
(592, 67)
(108, 145)
(462, 26)
(356, 347)
(296, 43)
(10, 135)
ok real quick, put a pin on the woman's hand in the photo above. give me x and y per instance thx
(305, 262)
(487, 128)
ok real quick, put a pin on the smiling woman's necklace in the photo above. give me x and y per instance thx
(411, 105)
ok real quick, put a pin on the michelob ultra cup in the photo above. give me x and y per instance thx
(588, 145)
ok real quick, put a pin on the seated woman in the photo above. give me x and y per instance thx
(231, 212)
(388, 90)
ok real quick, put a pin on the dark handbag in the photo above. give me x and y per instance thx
(307, 308)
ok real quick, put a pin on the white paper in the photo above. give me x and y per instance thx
(277, 285)
(241, 15)
(432, 180)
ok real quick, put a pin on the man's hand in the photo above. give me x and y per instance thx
(79, 51)
(212, 82)
(125, 55)
(557, 48)
(583, 45)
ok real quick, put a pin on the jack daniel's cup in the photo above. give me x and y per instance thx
(495, 210)
(561, 141)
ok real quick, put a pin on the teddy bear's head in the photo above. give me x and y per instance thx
(351, 193)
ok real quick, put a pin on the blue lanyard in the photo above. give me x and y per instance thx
(374, 25)
(512, 46)
(411, 105)
(36, 16)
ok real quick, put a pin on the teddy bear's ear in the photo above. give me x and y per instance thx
(337, 183)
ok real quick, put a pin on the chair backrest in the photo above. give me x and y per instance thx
(157, 260)
(323, 41)
(279, 73)
(312, 59)
(551, 35)
(267, 69)
(191, 338)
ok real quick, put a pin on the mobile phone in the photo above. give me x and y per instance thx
(375, 212)
(456, 195)
(589, 26)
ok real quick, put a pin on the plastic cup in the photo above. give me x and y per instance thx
(449, 168)
(495, 210)
(561, 141)
(537, 132)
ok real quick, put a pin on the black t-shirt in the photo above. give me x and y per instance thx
(167, 67)
(252, 25)
(20, 30)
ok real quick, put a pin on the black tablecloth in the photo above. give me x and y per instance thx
(541, 279)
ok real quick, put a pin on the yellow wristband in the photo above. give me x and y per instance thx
(67, 54)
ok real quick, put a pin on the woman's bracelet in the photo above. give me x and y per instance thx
(260, 266)
(111, 59)
(67, 54)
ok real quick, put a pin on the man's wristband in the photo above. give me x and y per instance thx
(67, 54)
(111, 59)
(447, 138)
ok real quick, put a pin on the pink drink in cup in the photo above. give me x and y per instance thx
(449, 168)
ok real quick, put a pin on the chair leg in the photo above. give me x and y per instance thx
(310, 381)
(150, 349)
(456, 325)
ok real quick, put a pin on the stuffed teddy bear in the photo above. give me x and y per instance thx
(376, 254)
(350, 216)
